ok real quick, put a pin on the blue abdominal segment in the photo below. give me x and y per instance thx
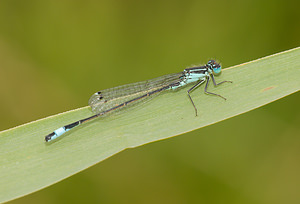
(61, 131)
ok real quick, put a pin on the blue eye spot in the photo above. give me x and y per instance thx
(217, 70)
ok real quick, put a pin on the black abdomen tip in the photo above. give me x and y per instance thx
(48, 137)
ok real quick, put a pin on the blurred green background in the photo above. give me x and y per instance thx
(55, 54)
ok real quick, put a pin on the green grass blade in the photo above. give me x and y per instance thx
(28, 164)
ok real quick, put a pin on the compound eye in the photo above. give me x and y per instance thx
(217, 69)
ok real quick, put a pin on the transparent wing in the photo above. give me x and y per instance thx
(109, 98)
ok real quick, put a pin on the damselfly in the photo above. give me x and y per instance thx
(113, 99)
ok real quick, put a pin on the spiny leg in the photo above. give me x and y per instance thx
(191, 89)
(205, 89)
(216, 84)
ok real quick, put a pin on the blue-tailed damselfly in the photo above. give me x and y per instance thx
(117, 98)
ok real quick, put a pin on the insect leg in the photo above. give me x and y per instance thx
(191, 89)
